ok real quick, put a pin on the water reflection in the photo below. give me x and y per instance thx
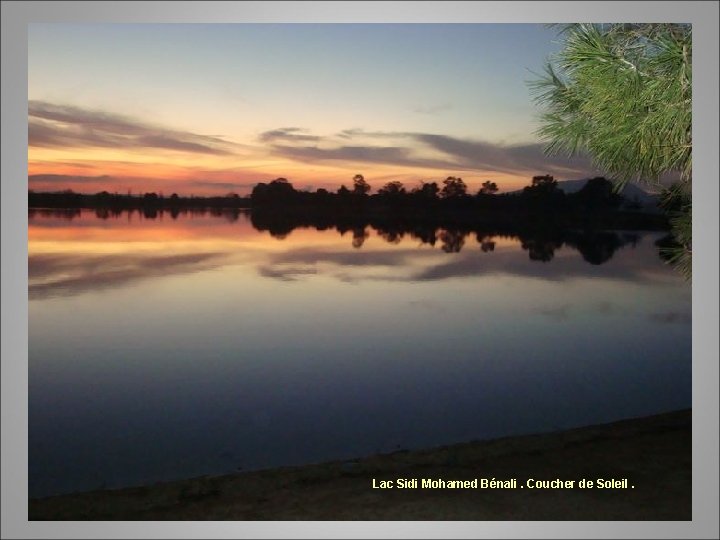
(164, 346)
(595, 246)
(60, 213)
(67, 274)
(230, 214)
(81, 268)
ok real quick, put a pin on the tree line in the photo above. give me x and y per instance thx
(598, 193)
(118, 201)
(595, 202)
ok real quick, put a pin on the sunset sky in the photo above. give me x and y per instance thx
(216, 108)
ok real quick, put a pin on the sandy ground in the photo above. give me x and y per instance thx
(653, 454)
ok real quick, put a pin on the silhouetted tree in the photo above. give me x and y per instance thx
(597, 193)
(544, 182)
(453, 188)
(259, 193)
(544, 190)
(151, 200)
(392, 189)
(281, 188)
(488, 188)
(277, 191)
(360, 186)
(427, 191)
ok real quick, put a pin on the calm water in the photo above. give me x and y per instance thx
(168, 348)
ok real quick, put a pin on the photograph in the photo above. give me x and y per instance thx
(359, 270)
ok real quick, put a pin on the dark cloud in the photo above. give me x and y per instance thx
(481, 155)
(52, 275)
(287, 273)
(349, 133)
(361, 154)
(426, 150)
(292, 134)
(313, 256)
(359, 132)
(51, 125)
(297, 263)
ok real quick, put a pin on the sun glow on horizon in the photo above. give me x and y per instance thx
(203, 109)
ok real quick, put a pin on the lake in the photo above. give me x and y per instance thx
(171, 346)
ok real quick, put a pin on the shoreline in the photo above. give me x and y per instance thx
(645, 465)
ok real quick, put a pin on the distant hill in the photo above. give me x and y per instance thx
(633, 193)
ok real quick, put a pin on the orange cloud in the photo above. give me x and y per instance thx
(90, 151)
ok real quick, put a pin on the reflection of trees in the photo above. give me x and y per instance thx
(278, 226)
(62, 213)
(540, 240)
(452, 241)
(486, 241)
(540, 249)
(105, 213)
(427, 234)
(360, 234)
(392, 236)
(596, 247)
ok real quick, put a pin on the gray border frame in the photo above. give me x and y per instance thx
(15, 18)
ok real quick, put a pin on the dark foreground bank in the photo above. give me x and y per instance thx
(644, 468)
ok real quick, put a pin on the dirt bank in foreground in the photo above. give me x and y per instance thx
(653, 454)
